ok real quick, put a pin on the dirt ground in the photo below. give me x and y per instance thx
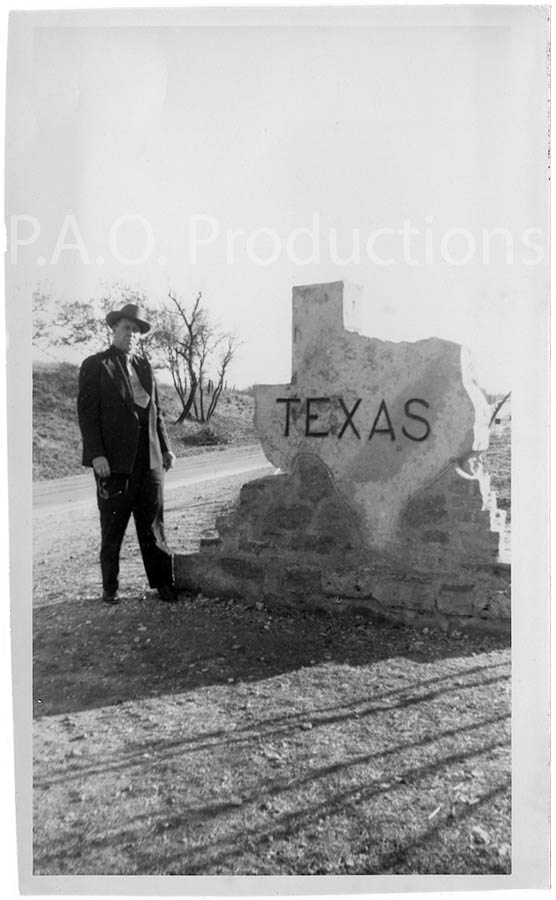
(209, 738)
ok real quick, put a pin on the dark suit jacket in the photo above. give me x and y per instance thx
(107, 417)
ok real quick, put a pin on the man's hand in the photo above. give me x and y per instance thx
(101, 467)
(168, 460)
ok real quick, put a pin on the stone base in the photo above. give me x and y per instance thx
(472, 599)
(294, 541)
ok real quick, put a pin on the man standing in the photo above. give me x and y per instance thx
(126, 443)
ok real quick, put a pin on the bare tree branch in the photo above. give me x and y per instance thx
(190, 344)
(498, 408)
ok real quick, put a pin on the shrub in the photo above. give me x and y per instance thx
(206, 437)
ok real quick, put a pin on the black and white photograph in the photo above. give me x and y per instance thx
(277, 308)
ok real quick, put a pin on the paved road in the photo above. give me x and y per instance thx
(189, 470)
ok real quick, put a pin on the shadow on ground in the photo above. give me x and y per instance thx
(87, 655)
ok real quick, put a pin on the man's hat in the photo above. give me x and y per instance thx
(129, 311)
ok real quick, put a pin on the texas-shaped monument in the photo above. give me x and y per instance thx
(380, 500)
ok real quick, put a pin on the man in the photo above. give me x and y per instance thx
(126, 443)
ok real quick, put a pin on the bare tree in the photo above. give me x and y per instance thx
(195, 352)
(225, 360)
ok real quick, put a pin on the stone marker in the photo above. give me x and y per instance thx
(382, 502)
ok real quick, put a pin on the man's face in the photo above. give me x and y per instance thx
(125, 335)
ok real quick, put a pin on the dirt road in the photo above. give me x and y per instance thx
(187, 471)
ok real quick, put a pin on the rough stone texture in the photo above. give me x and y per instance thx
(407, 529)
(302, 512)
(453, 520)
(337, 368)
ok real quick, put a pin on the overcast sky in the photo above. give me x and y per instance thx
(442, 125)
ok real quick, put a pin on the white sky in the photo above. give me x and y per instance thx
(265, 127)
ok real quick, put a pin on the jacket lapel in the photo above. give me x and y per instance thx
(118, 375)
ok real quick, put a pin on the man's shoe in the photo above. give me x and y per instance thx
(167, 593)
(110, 597)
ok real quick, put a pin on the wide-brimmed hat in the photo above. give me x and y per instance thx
(129, 311)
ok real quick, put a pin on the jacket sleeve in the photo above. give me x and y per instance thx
(160, 424)
(88, 408)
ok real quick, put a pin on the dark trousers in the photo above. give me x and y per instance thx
(140, 493)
